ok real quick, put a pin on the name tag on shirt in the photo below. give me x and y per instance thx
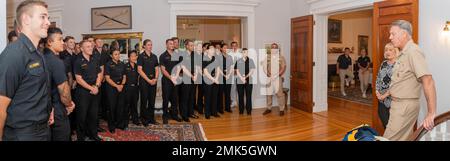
(34, 65)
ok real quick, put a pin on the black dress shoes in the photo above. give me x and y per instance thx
(96, 138)
(99, 129)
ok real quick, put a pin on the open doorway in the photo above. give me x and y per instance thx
(349, 72)
(210, 29)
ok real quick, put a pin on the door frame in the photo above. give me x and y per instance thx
(321, 11)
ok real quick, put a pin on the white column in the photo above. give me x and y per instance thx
(3, 32)
(320, 71)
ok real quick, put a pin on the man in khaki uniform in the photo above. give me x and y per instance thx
(275, 62)
(410, 73)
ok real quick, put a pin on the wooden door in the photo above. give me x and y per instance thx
(384, 13)
(302, 63)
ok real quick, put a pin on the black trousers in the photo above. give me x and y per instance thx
(131, 99)
(383, 113)
(35, 132)
(247, 90)
(148, 95)
(60, 130)
(103, 101)
(187, 100)
(87, 114)
(199, 104)
(227, 93)
(211, 91)
(116, 109)
(170, 94)
(220, 99)
(72, 116)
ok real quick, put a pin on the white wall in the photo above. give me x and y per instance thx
(351, 28)
(273, 24)
(299, 8)
(150, 17)
(3, 32)
(436, 45)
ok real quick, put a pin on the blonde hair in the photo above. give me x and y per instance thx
(391, 46)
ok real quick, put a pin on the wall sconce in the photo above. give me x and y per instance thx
(447, 25)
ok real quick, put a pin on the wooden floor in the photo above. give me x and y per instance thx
(296, 125)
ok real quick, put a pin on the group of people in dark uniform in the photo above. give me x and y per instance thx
(52, 94)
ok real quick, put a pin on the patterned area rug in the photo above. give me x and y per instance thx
(353, 94)
(170, 132)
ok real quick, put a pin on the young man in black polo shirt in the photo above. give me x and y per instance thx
(344, 64)
(89, 77)
(168, 61)
(190, 75)
(103, 57)
(61, 92)
(148, 69)
(24, 81)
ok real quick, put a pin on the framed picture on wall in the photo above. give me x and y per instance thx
(363, 43)
(109, 18)
(334, 31)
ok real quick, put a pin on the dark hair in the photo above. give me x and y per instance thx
(146, 41)
(52, 31)
(175, 38)
(347, 49)
(68, 38)
(87, 37)
(113, 50)
(187, 41)
(82, 42)
(167, 41)
(244, 49)
(206, 45)
(11, 35)
(25, 6)
(234, 42)
(131, 52)
(223, 45)
(113, 45)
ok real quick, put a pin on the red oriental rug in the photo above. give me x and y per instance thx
(170, 132)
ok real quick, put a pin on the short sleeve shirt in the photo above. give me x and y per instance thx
(24, 79)
(409, 68)
(148, 62)
(344, 61)
(115, 71)
(169, 61)
(244, 67)
(87, 69)
(131, 73)
(364, 61)
(58, 76)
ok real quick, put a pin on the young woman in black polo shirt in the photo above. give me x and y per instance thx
(115, 78)
(364, 73)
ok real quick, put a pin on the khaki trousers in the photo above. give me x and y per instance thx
(364, 80)
(403, 116)
(277, 89)
(342, 74)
